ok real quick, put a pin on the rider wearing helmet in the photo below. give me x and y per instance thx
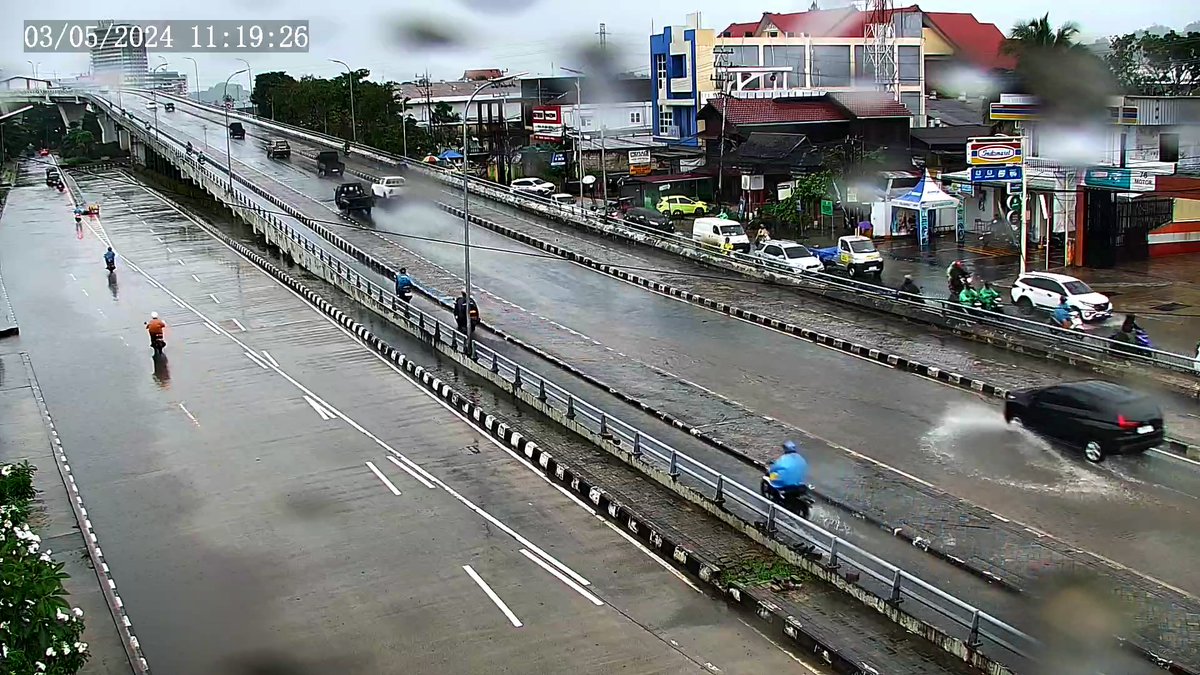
(789, 473)
(155, 326)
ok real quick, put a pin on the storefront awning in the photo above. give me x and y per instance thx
(670, 178)
(926, 195)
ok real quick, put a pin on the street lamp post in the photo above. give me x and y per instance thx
(603, 127)
(196, 72)
(350, 77)
(466, 204)
(228, 150)
(250, 79)
(154, 93)
(33, 66)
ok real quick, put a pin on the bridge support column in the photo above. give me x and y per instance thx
(137, 149)
(72, 113)
(108, 129)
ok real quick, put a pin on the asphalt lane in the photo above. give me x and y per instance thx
(240, 516)
(954, 439)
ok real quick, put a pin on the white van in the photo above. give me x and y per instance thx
(712, 232)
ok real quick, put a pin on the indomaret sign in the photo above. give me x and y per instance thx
(994, 151)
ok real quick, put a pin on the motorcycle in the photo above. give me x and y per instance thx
(158, 344)
(1074, 323)
(61, 187)
(796, 500)
(1142, 338)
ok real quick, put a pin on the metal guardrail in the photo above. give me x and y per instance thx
(879, 576)
(1078, 343)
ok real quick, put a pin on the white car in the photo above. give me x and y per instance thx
(151, 104)
(535, 186)
(789, 254)
(563, 198)
(1044, 289)
(388, 187)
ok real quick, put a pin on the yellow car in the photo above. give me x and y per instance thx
(677, 205)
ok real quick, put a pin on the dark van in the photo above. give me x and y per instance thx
(649, 218)
(237, 131)
(1100, 418)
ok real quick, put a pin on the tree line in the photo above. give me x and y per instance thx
(382, 118)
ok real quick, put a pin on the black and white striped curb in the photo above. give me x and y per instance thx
(629, 518)
(108, 586)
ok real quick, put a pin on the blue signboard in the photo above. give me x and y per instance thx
(996, 174)
(558, 159)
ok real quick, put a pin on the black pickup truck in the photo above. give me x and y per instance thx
(328, 163)
(351, 197)
(278, 148)
(237, 131)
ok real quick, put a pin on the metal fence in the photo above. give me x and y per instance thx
(1079, 344)
(977, 628)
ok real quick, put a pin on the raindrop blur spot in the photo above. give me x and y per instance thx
(499, 6)
(423, 33)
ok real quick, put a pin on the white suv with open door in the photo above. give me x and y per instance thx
(1043, 290)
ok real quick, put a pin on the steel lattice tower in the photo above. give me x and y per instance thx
(879, 31)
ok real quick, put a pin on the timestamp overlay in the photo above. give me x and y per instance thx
(232, 36)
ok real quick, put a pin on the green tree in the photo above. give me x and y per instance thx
(268, 88)
(1071, 83)
(79, 142)
(1156, 65)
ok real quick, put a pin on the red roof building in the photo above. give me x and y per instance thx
(977, 43)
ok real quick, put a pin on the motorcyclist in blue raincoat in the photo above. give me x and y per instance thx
(404, 285)
(110, 258)
(1062, 313)
(789, 473)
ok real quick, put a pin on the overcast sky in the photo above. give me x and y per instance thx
(521, 35)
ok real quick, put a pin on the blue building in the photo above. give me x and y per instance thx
(681, 80)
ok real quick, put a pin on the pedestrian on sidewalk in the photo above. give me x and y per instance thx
(465, 316)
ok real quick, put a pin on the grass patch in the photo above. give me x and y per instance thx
(762, 573)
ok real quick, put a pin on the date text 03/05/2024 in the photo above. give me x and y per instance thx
(232, 36)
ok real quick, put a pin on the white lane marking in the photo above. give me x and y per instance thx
(196, 278)
(214, 298)
(180, 260)
(160, 240)
(1172, 455)
(419, 478)
(559, 575)
(258, 361)
(239, 325)
(85, 292)
(492, 595)
(781, 648)
(212, 328)
(663, 563)
(416, 467)
(169, 250)
(379, 474)
(190, 416)
(269, 358)
(73, 277)
(317, 407)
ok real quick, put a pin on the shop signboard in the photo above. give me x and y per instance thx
(994, 151)
(547, 123)
(640, 169)
(996, 174)
(639, 157)
(1119, 179)
(826, 207)
(558, 159)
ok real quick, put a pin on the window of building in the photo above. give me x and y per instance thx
(660, 69)
(1168, 147)
(743, 55)
(831, 66)
(907, 24)
(791, 56)
(635, 117)
(666, 118)
(908, 59)
(585, 121)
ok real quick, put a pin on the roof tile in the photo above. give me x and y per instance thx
(777, 111)
(870, 104)
(979, 43)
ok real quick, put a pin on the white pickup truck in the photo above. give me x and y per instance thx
(389, 187)
(855, 254)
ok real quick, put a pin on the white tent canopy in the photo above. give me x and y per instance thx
(926, 195)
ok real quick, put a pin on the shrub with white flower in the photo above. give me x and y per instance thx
(39, 631)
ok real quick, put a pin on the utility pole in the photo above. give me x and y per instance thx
(603, 124)
(721, 75)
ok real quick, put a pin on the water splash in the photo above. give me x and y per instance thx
(975, 439)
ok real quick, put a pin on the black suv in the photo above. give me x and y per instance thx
(649, 218)
(1100, 418)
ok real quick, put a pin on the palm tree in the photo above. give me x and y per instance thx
(1039, 34)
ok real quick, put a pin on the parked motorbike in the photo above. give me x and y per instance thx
(796, 500)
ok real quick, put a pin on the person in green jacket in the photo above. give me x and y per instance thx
(969, 296)
(988, 297)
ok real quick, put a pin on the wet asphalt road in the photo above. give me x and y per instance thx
(1124, 509)
(238, 512)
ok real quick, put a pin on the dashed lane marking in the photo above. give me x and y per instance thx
(384, 479)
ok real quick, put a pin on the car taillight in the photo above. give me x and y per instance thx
(1126, 424)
